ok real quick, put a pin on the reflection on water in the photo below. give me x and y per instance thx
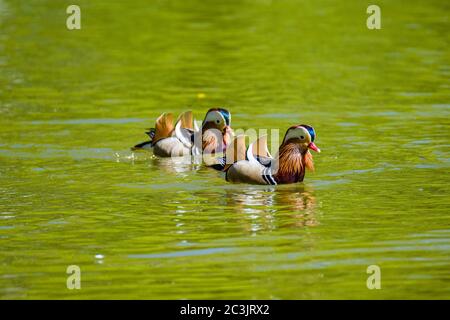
(71, 192)
(176, 164)
(169, 165)
(262, 206)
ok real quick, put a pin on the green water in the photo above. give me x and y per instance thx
(72, 193)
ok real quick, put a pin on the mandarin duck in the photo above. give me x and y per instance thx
(184, 138)
(255, 165)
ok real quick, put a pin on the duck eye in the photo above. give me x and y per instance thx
(217, 121)
(302, 137)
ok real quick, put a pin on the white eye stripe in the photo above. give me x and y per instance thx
(299, 133)
(215, 116)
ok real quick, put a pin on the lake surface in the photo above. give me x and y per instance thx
(72, 193)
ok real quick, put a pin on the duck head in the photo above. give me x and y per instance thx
(217, 119)
(294, 156)
(302, 136)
